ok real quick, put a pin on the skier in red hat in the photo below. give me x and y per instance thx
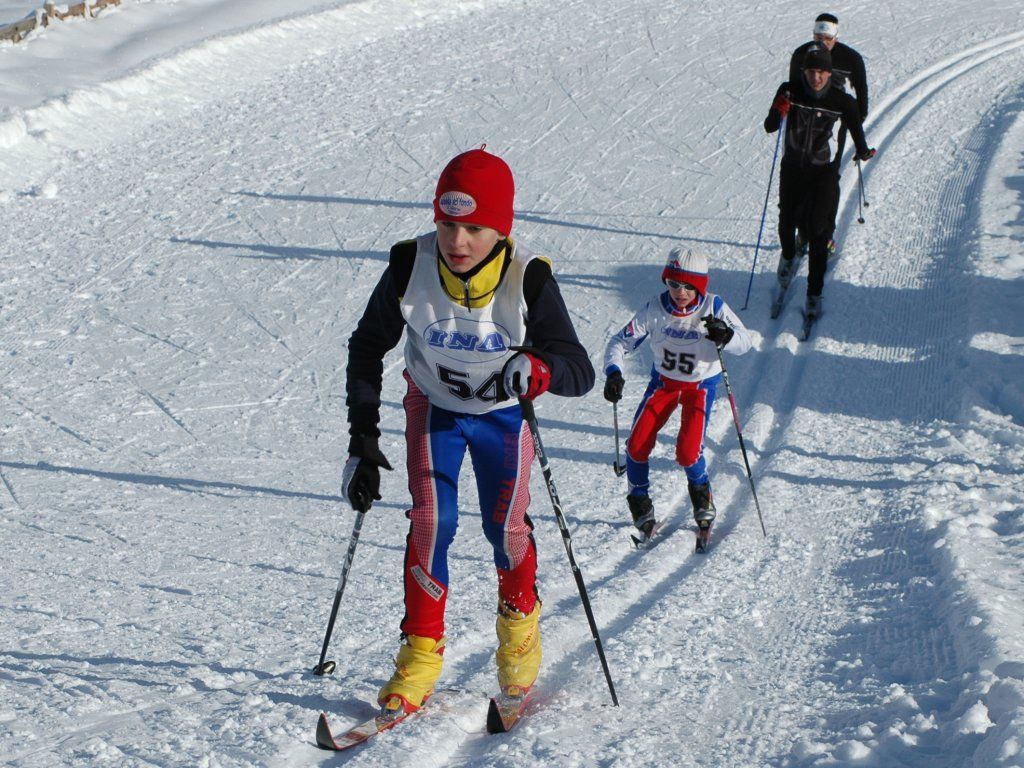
(484, 324)
(684, 324)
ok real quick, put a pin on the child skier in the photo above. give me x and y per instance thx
(686, 372)
(484, 322)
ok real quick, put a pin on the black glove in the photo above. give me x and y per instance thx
(865, 156)
(360, 480)
(613, 387)
(719, 332)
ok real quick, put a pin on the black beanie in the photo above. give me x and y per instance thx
(818, 57)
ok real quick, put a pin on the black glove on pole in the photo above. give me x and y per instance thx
(362, 482)
(613, 386)
(718, 331)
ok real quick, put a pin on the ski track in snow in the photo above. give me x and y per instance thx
(173, 405)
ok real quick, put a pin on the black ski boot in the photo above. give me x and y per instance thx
(703, 513)
(642, 510)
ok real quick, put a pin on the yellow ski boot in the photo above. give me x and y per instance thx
(417, 668)
(519, 653)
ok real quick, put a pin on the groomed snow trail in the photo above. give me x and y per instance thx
(173, 426)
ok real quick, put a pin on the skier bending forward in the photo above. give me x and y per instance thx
(684, 324)
(469, 300)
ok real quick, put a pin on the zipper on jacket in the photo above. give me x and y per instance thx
(809, 144)
(465, 292)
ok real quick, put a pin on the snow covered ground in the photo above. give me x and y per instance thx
(197, 198)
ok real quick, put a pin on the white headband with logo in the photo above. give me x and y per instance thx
(826, 28)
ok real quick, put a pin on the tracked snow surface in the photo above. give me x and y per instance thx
(197, 199)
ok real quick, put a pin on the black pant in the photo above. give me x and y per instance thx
(840, 144)
(835, 209)
(807, 199)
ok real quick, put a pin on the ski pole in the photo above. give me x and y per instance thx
(620, 468)
(322, 667)
(531, 419)
(739, 434)
(860, 178)
(764, 211)
(862, 201)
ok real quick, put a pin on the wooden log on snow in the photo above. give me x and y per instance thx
(16, 32)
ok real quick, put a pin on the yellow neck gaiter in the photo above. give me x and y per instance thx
(475, 288)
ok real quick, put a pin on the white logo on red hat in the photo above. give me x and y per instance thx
(456, 204)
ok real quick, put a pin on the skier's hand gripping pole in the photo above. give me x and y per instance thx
(531, 419)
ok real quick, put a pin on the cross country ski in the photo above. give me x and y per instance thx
(390, 715)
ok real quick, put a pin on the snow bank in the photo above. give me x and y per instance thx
(153, 62)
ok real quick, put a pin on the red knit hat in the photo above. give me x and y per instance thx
(476, 187)
(687, 267)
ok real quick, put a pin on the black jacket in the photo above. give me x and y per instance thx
(810, 125)
(847, 67)
(549, 330)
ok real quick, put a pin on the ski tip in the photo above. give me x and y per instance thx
(703, 539)
(641, 540)
(324, 737)
(504, 714)
(495, 724)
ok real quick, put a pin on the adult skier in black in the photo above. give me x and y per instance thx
(808, 181)
(847, 72)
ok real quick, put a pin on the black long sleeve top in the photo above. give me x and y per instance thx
(811, 122)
